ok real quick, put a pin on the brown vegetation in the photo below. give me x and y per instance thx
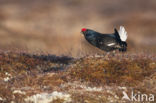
(34, 74)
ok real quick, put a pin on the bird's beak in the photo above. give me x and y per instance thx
(81, 32)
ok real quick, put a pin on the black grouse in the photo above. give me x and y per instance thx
(107, 42)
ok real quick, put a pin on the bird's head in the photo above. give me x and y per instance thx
(88, 32)
(83, 30)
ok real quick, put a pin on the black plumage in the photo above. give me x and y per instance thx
(106, 42)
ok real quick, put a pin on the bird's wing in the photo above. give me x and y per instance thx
(107, 40)
(111, 44)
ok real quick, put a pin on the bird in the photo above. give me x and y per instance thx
(107, 42)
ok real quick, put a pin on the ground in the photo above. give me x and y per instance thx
(46, 78)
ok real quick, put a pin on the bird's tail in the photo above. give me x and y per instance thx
(123, 46)
(123, 34)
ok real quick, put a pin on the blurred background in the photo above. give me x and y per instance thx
(54, 26)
